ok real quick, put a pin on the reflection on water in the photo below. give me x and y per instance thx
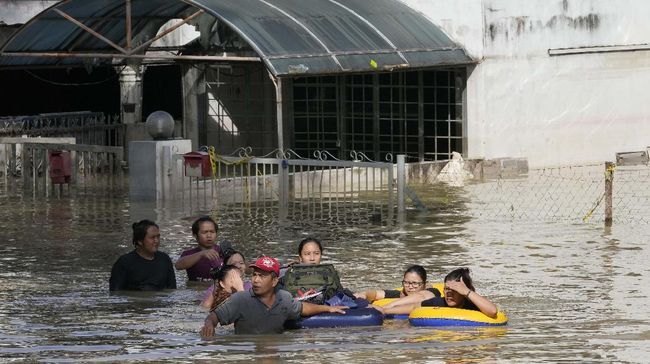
(572, 291)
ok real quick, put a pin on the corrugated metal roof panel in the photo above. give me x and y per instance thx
(290, 36)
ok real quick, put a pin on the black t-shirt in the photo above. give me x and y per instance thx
(393, 293)
(134, 273)
(440, 302)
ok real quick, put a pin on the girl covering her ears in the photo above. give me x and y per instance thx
(415, 280)
(227, 280)
(459, 293)
(231, 258)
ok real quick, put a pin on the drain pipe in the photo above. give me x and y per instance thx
(277, 82)
(283, 166)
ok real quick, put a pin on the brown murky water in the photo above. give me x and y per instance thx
(573, 292)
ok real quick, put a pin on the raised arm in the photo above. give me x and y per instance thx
(188, 261)
(485, 305)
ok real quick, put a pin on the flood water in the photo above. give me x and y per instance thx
(572, 291)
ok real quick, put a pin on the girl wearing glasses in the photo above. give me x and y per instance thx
(415, 280)
(459, 293)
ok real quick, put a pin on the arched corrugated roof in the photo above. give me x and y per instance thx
(290, 36)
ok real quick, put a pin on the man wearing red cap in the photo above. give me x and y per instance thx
(263, 309)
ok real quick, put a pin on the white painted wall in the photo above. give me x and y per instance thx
(20, 11)
(561, 110)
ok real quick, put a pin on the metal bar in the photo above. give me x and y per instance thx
(391, 205)
(309, 31)
(8, 157)
(128, 25)
(373, 27)
(421, 115)
(167, 31)
(283, 174)
(278, 112)
(599, 49)
(131, 56)
(401, 179)
(46, 175)
(89, 30)
(609, 182)
(76, 147)
(34, 170)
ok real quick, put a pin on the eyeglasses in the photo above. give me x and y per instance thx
(414, 284)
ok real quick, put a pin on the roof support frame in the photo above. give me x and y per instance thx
(171, 29)
(305, 28)
(394, 36)
(130, 56)
(89, 30)
(129, 37)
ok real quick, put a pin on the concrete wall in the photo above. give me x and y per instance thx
(554, 110)
(20, 11)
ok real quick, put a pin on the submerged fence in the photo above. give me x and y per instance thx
(45, 168)
(86, 127)
(593, 193)
(295, 187)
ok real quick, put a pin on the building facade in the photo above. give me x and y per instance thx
(558, 82)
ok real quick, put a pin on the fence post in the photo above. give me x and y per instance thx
(283, 186)
(609, 181)
(401, 182)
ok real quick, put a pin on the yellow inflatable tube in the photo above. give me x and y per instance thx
(447, 316)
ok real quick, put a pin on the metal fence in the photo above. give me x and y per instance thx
(593, 193)
(292, 186)
(86, 127)
(31, 166)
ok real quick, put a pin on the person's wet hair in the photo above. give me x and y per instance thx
(419, 270)
(202, 219)
(229, 253)
(219, 274)
(457, 274)
(304, 241)
(140, 230)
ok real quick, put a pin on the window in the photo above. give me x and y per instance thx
(417, 113)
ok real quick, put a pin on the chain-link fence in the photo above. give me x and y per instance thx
(571, 194)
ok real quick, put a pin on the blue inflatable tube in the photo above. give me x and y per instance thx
(352, 317)
(396, 317)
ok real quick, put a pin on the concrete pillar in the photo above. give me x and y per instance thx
(154, 174)
(131, 94)
(194, 102)
(131, 104)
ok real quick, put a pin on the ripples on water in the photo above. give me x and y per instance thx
(573, 292)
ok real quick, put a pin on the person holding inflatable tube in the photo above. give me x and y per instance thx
(263, 309)
(414, 280)
(459, 293)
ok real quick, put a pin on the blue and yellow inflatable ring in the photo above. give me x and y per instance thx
(447, 316)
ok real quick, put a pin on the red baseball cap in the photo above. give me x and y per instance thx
(268, 264)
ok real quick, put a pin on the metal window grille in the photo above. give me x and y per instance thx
(417, 113)
(241, 108)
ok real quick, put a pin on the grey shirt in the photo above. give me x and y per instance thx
(251, 316)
